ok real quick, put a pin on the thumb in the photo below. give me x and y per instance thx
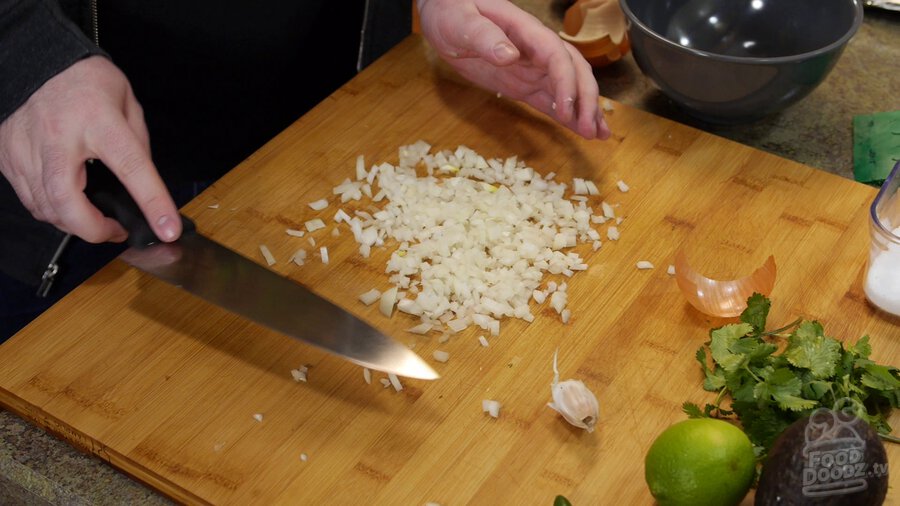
(487, 41)
(466, 33)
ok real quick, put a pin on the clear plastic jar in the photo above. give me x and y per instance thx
(882, 281)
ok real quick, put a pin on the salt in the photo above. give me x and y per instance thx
(882, 285)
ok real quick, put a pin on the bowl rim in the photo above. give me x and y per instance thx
(753, 60)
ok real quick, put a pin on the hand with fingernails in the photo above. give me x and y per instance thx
(87, 111)
(502, 48)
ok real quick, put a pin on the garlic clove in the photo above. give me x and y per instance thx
(573, 400)
(576, 403)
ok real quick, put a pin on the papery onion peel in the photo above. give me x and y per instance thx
(722, 298)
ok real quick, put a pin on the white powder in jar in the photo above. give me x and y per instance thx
(883, 278)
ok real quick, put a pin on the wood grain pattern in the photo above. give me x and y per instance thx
(165, 386)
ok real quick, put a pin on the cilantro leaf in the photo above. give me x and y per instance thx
(722, 339)
(808, 348)
(692, 410)
(715, 377)
(879, 377)
(756, 312)
(793, 402)
(862, 348)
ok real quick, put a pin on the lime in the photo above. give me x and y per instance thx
(700, 461)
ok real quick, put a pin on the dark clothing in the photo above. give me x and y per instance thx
(216, 79)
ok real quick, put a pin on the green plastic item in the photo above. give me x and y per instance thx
(876, 146)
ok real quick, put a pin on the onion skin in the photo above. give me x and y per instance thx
(722, 298)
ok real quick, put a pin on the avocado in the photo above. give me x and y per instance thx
(830, 458)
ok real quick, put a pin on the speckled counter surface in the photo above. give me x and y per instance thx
(37, 469)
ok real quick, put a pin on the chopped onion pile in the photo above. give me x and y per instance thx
(475, 235)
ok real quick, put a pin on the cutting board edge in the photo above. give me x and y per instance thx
(87, 445)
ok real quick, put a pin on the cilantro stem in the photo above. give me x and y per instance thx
(888, 437)
(718, 400)
(757, 378)
(777, 332)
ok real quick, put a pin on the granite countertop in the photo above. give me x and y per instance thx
(38, 469)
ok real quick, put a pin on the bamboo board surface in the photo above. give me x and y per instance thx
(165, 386)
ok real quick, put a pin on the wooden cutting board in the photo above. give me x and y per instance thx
(165, 386)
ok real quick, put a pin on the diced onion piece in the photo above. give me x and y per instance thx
(270, 260)
(304, 457)
(299, 375)
(483, 340)
(539, 296)
(580, 188)
(565, 315)
(671, 270)
(258, 417)
(370, 297)
(441, 356)
(295, 233)
(214, 206)
(341, 215)
(312, 241)
(318, 205)
(558, 301)
(314, 224)
(421, 328)
(367, 375)
(491, 407)
(395, 381)
(644, 265)
(385, 382)
(323, 251)
(458, 325)
(388, 299)
(299, 256)
(722, 298)
(608, 211)
(607, 105)
(612, 233)
(592, 188)
(623, 187)
(360, 168)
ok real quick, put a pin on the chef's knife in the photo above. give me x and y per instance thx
(223, 277)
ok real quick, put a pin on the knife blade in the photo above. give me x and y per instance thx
(220, 276)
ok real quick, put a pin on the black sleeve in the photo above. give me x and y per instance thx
(36, 42)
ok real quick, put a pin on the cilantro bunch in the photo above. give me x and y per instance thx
(771, 390)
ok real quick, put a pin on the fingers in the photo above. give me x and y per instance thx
(86, 111)
(63, 204)
(590, 122)
(500, 47)
(127, 156)
(458, 30)
(545, 50)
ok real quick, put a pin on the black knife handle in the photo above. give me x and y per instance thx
(105, 191)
